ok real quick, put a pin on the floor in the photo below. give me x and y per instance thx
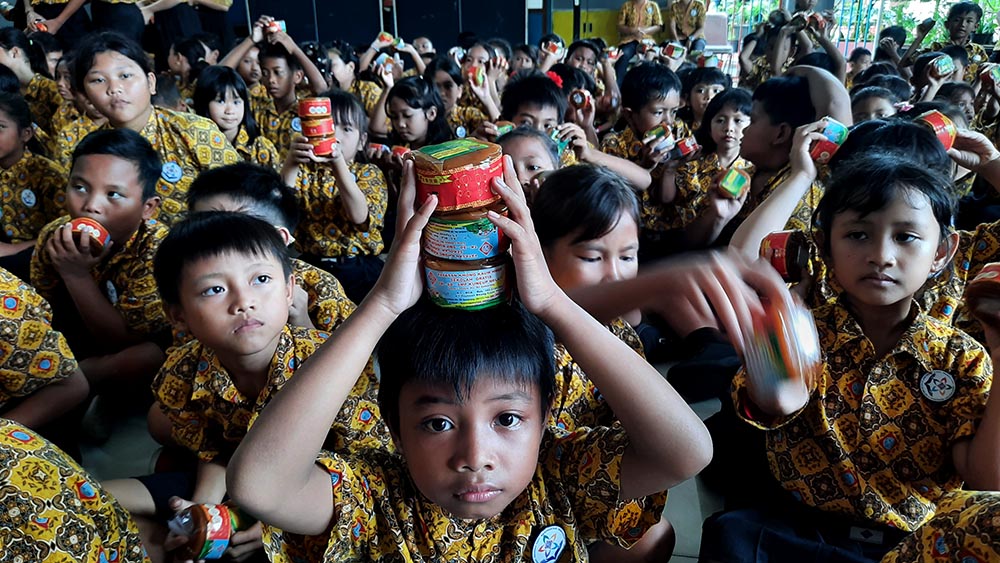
(130, 451)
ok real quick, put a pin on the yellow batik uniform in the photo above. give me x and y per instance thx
(470, 100)
(187, 144)
(33, 193)
(53, 511)
(875, 440)
(329, 307)
(761, 72)
(465, 120)
(687, 18)
(965, 527)
(647, 16)
(260, 151)
(977, 56)
(278, 127)
(801, 218)
(32, 355)
(695, 181)
(325, 230)
(578, 403)
(125, 277)
(44, 99)
(571, 501)
(210, 416)
(259, 99)
(69, 127)
(368, 93)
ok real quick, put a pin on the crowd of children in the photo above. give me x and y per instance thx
(264, 301)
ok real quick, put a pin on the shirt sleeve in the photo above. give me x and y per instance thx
(139, 301)
(657, 18)
(372, 183)
(588, 463)
(974, 372)
(172, 388)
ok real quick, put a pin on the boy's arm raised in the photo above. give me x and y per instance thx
(668, 442)
(275, 478)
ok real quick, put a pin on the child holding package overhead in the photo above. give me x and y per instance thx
(882, 448)
(479, 476)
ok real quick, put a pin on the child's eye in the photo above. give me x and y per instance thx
(590, 259)
(262, 279)
(79, 188)
(533, 168)
(214, 290)
(115, 195)
(856, 235)
(125, 75)
(628, 258)
(906, 237)
(438, 425)
(509, 420)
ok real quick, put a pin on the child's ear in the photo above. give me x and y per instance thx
(151, 83)
(285, 234)
(26, 134)
(297, 76)
(363, 141)
(149, 207)
(290, 289)
(431, 113)
(783, 134)
(945, 251)
(175, 314)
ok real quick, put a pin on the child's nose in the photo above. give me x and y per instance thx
(472, 452)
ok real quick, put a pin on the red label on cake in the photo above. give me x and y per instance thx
(86, 226)
(774, 249)
(323, 146)
(317, 127)
(460, 189)
(314, 107)
(943, 127)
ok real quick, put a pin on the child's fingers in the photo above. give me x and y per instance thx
(407, 197)
(414, 227)
(510, 177)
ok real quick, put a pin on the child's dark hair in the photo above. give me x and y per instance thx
(857, 53)
(785, 99)
(962, 8)
(48, 42)
(583, 44)
(647, 82)
(344, 50)
(258, 189)
(445, 64)
(551, 38)
(9, 81)
(585, 201)
(101, 42)
(419, 93)
(869, 182)
(895, 84)
(736, 99)
(817, 59)
(709, 75)
(921, 62)
(213, 84)
(532, 88)
(897, 33)
(869, 92)
(347, 109)
(501, 47)
(194, 51)
(950, 89)
(952, 111)
(490, 51)
(551, 148)
(211, 41)
(957, 52)
(209, 234)
(505, 343)
(278, 51)
(574, 79)
(530, 51)
(15, 106)
(167, 94)
(896, 136)
(11, 37)
(126, 145)
(875, 70)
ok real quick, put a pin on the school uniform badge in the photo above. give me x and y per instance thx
(28, 198)
(171, 172)
(549, 545)
(460, 132)
(938, 386)
(296, 125)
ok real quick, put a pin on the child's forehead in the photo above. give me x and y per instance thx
(459, 391)
(106, 169)
(229, 261)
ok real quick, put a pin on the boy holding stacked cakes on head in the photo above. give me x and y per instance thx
(95, 264)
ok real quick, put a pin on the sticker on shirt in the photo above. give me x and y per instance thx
(296, 125)
(460, 132)
(549, 545)
(938, 386)
(28, 198)
(171, 172)
(694, 13)
(111, 292)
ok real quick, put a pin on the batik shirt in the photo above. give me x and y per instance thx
(687, 18)
(325, 230)
(329, 306)
(33, 193)
(261, 151)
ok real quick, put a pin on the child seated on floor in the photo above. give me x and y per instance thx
(880, 455)
(478, 473)
(227, 280)
(319, 300)
(104, 299)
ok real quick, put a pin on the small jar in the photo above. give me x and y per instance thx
(323, 146)
(469, 285)
(836, 133)
(784, 346)
(317, 127)
(85, 226)
(787, 252)
(208, 528)
(465, 235)
(315, 108)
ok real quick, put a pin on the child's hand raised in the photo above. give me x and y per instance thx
(402, 280)
(973, 150)
(801, 161)
(72, 259)
(535, 286)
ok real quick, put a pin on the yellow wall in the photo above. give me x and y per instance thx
(596, 23)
